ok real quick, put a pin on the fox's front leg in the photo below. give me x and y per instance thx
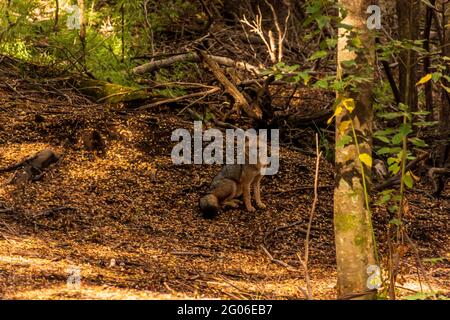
(247, 197)
(257, 190)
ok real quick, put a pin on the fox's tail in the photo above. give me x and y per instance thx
(209, 205)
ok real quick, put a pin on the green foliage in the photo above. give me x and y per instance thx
(115, 33)
(426, 296)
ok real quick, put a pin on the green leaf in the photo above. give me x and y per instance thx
(420, 296)
(408, 180)
(384, 132)
(394, 168)
(392, 115)
(436, 76)
(403, 107)
(433, 261)
(348, 63)
(345, 140)
(391, 160)
(331, 43)
(305, 76)
(405, 129)
(445, 88)
(322, 84)
(322, 21)
(426, 123)
(384, 150)
(383, 139)
(396, 222)
(418, 142)
(397, 139)
(393, 209)
(421, 113)
(318, 55)
(387, 150)
(385, 199)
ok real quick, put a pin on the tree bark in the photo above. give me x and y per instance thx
(444, 114)
(427, 60)
(352, 221)
(408, 12)
(82, 33)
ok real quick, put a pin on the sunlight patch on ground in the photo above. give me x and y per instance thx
(93, 292)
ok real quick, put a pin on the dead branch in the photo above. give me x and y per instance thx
(299, 189)
(281, 34)
(192, 254)
(305, 259)
(194, 57)
(256, 27)
(52, 211)
(177, 99)
(279, 262)
(240, 103)
(299, 120)
(396, 179)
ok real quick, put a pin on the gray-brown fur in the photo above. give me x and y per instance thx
(233, 181)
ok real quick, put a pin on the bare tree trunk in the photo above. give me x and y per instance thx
(444, 114)
(352, 220)
(82, 29)
(427, 60)
(55, 25)
(408, 12)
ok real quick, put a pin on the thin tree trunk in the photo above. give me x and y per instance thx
(444, 114)
(427, 61)
(82, 29)
(408, 11)
(55, 25)
(352, 221)
(122, 18)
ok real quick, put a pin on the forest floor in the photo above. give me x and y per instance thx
(128, 221)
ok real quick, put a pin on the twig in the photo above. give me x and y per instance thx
(281, 263)
(171, 100)
(300, 189)
(51, 211)
(419, 262)
(195, 254)
(305, 260)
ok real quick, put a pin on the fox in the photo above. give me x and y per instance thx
(233, 181)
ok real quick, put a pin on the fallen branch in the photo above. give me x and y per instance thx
(49, 212)
(192, 254)
(176, 99)
(298, 120)
(396, 179)
(194, 57)
(300, 189)
(239, 100)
